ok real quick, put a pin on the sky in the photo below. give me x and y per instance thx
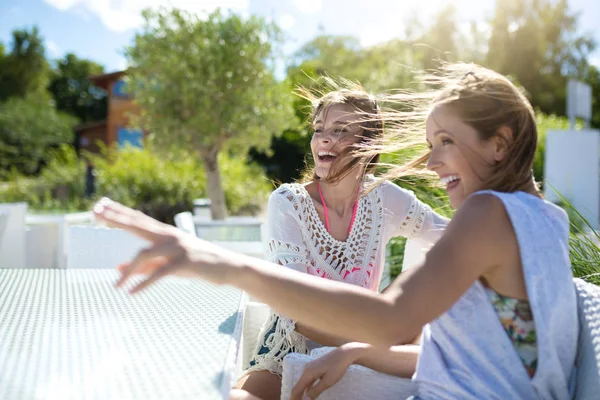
(100, 29)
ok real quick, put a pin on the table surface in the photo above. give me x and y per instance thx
(69, 334)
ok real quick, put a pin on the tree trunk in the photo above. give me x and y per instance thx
(218, 208)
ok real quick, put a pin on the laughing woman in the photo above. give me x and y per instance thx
(331, 227)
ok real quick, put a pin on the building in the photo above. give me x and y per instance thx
(114, 129)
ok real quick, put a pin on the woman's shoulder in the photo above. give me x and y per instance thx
(287, 193)
(391, 191)
(482, 213)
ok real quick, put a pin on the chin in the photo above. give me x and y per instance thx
(455, 202)
(322, 173)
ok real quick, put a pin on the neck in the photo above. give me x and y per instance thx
(341, 196)
(532, 189)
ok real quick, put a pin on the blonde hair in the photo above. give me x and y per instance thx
(482, 99)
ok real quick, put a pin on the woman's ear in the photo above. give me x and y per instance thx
(502, 141)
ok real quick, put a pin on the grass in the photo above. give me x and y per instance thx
(584, 245)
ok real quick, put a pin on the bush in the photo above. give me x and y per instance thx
(245, 184)
(163, 185)
(160, 186)
(59, 187)
(157, 184)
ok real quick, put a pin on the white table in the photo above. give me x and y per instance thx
(69, 334)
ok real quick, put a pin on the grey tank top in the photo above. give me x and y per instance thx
(466, 354)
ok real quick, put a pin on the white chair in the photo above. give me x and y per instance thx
(587, 384)
(185, 222)
(362, 383)
(414, 254)
(255, 316)
(99, 247)
(12, 245)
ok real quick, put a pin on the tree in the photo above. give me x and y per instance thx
(331, 54)
(24, 69)
(537, 43)
(29, 126)
(74, 93)
(208, 84)
(441, 38)
(592, 78)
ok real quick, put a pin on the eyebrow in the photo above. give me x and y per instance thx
(337, 123)
(438, 132)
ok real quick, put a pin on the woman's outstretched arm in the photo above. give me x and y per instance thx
(473, 245)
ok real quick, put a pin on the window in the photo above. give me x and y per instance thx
(129, 137)
(120, 89)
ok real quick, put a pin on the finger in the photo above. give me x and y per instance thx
(316, 390)
(159, 273)
(122, 266)
(307, 379)
(145, 268)
(128, 219)
(147, 260)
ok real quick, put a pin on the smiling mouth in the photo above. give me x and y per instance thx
(450, 181)
(326, 156)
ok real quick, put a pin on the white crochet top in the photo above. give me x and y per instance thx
(298, 239)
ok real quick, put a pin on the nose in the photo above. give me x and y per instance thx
(326, 137)
(433, 162)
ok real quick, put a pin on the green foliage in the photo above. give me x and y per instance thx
(427, 192)
(585, 256)
(584, 244)
(592, 78)
(73, 92)
(537, 42)
(245, 184)
(59, 187)
(29, 127)
(163, 185)
(378, 68)
(24, 69)
(395, 255)
(205, 82)
(157, 185)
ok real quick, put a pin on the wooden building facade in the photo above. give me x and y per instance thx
(115, 128)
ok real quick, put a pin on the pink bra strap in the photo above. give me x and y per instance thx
(326, 212)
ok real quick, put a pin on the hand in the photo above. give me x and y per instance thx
(172, 251)
(322, 373)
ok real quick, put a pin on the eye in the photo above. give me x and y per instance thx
(318, 130)
(446, 141)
